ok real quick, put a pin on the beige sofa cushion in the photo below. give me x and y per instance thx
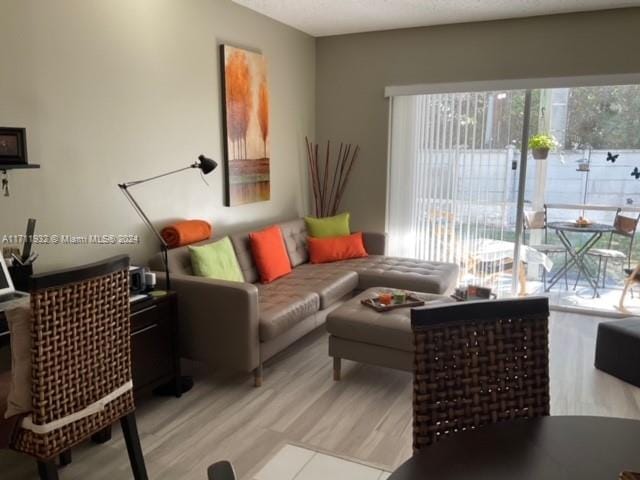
(295, 239)
(242, 246)
(330, 284)
(283, 308)
(405, 273)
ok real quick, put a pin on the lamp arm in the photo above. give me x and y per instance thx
(206, 165)
(144, 180)
(163, 245)
(125, 190)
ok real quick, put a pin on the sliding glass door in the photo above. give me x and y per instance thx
(453, 181)
(457, 174)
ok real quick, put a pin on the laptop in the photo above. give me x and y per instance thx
(9, 297)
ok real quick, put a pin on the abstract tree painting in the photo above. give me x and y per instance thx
(246, 125)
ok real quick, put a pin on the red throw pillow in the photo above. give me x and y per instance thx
(270, 254)
(332, 249)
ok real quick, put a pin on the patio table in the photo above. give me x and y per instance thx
(577, 254)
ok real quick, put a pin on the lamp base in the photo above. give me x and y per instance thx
(174, 389)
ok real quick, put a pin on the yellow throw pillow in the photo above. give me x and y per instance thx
(336, 226)
(216, 260)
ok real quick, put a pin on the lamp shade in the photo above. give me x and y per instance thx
(207, 165)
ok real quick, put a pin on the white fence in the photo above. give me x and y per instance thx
(606, 183)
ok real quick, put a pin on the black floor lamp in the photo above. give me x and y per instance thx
(206, 165)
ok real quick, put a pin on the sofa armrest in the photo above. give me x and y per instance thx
(218, 321)
(375, 243)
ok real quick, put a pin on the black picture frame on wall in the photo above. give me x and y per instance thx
(13, 146)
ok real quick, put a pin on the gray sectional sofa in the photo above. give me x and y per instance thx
(241, 325)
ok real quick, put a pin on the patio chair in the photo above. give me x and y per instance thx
(625, 227)
(478, 363)
(537, 220)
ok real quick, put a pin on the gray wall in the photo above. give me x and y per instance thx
(353, 70)
(116, 90)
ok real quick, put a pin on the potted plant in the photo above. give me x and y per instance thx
(540, 145)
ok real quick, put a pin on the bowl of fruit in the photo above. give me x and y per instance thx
(583, 222)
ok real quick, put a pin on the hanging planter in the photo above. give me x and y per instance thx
(540, 153)
(540, 145)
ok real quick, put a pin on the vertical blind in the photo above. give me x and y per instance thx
(452, 181)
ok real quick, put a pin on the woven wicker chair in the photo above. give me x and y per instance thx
(478, 363)
(80, 355)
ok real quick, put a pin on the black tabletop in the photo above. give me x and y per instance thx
(572, 227)
(549, 448)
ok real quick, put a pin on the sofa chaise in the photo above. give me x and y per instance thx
(240, 325)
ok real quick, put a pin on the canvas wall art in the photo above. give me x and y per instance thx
(246, 125)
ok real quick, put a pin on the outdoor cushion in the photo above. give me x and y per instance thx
(548, 248)
(606, 252)
(281, 309)
(216, 260)
(336, 226)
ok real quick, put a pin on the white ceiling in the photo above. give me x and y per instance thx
(333, 17)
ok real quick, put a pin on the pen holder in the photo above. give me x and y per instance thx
(20, 275)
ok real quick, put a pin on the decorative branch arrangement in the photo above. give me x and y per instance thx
(329, 182)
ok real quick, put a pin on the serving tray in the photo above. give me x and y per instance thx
(411, 301)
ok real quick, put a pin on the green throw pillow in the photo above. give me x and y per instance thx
(337, 226)
(216, 260)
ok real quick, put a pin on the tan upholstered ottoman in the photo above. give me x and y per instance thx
(361, 334)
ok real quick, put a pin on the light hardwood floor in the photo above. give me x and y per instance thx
(366, 416)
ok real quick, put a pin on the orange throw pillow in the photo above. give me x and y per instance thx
(332, 249)
(270, 254)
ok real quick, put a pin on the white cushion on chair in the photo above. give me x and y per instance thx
(548, 248)
(605, 252)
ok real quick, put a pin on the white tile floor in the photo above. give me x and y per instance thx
(297, 463)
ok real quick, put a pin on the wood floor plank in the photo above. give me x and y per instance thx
(365, 416)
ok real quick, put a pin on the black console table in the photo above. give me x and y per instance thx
(155, 355)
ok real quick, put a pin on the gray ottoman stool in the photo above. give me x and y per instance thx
(618, 349)
(361, 334)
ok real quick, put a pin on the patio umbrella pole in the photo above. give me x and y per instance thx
(521, 186)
